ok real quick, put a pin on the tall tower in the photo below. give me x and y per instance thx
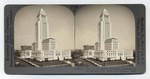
(42, 28)
(104, 29)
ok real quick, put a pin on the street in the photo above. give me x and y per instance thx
(20, 63)
(84, 63)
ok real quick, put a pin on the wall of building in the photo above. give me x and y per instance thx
(114, 55)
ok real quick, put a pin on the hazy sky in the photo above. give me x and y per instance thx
(122, 21)
(61, 23)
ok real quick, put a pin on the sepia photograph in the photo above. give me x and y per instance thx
(89, 36)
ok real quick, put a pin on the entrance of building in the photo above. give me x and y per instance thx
(46, 59)
(108, 59)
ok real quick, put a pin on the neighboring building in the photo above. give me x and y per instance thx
(49, 44)
(26, 51)
(44, 48)
(51, 55)
(105, 55)
(107, 48)
(87, 47)
(111, 44)
(97, 46)
(88, 53)
(66, 54)
(34, 46)
(26, 54)
(24, 47)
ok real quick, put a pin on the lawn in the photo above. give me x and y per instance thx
(109, 63)
(21, 63)
(48, 63)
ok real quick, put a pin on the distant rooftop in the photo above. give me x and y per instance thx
(48, 39)
(111, 39)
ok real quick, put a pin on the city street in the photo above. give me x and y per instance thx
(115, 63)
(20, 63)
(82, 63)
(86, 63)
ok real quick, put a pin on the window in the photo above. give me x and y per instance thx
(44, 30)
(43, 18)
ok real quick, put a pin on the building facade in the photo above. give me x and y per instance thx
(88, 51)
(49, 55)
(49, 44)
(42, 28)
(26, 54)
(105, 55)
(111, 44)
(104, 29)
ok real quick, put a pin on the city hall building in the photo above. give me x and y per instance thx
(44, 48)
(107, 48)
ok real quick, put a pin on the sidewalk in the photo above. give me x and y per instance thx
(68, 62)
(29, 62)
(130, 62)
(93, 62)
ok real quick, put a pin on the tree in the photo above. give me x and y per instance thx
(17, 53)
(76, 53)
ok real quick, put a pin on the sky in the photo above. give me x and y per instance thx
(122, 24)
(61, 25)
(62, 22)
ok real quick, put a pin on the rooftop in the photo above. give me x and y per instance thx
(48, 39)
(111, 39)
(42, 11)
(105, 12)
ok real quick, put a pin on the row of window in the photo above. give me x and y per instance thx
(111, 54)
(119, 54)
(127, 54)
(49, 54)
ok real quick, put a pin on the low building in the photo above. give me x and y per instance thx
(88, 53)
(87, 47)
(26, 54)
(105, 55)
(51, 55)
(25, 47)
(66, 54)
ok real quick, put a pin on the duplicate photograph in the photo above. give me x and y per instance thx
(85, 36)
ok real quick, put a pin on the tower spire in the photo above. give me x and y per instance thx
(105, 12)
(42, 28)
(104, 29)
(42, 11)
